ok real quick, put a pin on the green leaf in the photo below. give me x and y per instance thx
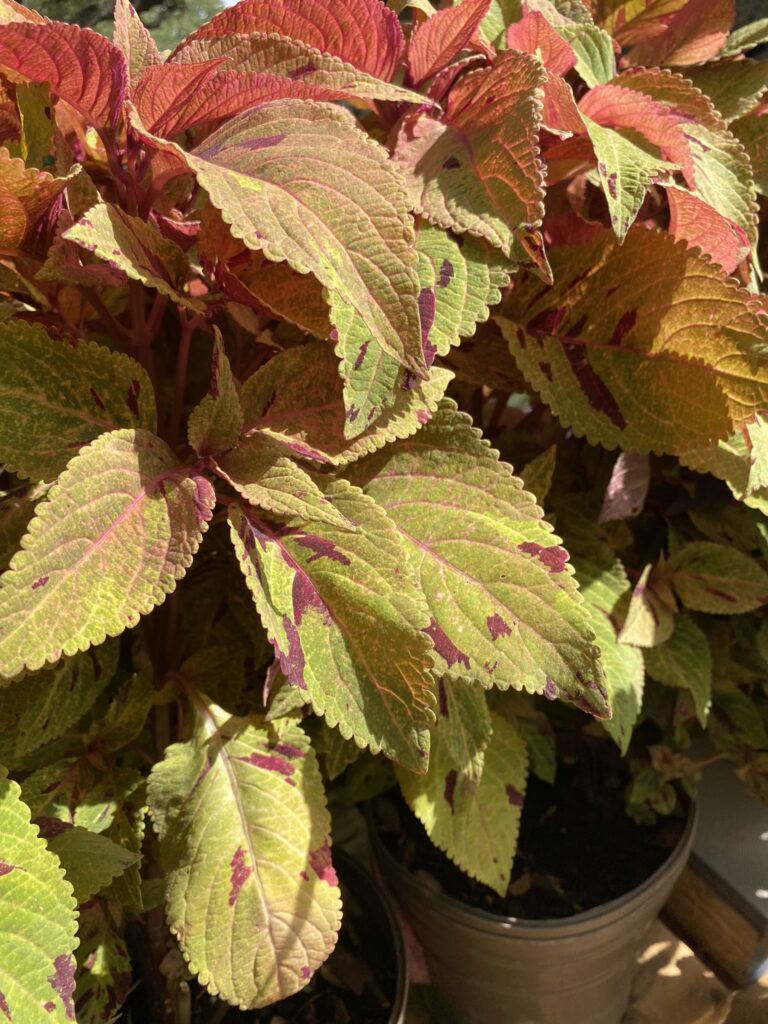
(501, 13)
(458, 285)
(14, 520)
(504, 605)
(103, 966)
(335, 752)
(464, 722)
(216, 421)
(603, 583)
(37, 969)
(717, 579)
(476, 168)
(475, 823)
(136, 247)
(40, 708)
(126, 714)
(745, 38)
(128, 829)
(650, 619)
(55, 398)
(595, 56)
(757, 433)
(627, 167)
(664, 361)
(74, 791)
(593, 46)
(296, 399)
(684, 661)
(731, 461)
(90, 861)
(539, 738)
(319, 591)
(259, 470)
(244, 833)
(34, 103)
(301, 182)
(537, 474)
(116, 532)
(733, 86)
(751, 133)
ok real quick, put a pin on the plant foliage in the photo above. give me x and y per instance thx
(370, 372)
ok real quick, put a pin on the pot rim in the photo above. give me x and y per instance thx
(595, 916)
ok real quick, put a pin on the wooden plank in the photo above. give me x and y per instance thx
(718, 924)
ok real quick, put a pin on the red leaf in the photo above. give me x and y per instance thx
(363, 32)
(534, 34)
(79, 65)
(442, 37)
(691, 35)
(165, 92)
(696, 222)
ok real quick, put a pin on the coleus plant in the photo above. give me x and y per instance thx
(237, 429)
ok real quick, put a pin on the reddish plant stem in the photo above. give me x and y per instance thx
(108, 321)
(188, 326)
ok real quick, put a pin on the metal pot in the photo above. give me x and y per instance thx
(488, 969)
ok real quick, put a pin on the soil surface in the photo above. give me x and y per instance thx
(577, 847)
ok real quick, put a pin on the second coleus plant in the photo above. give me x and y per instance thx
(234, 278)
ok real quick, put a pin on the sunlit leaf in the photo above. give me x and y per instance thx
(251, 893)
(115, 534)
(37, 969)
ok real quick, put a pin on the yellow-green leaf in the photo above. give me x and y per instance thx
(251, 893)
(114, 535)
(55, 398)
(37, 969)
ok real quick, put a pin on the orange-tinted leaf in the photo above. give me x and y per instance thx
(534, 34)
(164, 93)
(692, 34)
(719, 171)
(11, 11)
(442, 37)
(363, 32)
(25, 195)
(695, 222)
(134, 40)
(644, 345)
(79, 65)
(634, 21)
(478, 169)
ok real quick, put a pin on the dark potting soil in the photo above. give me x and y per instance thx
(577, 848)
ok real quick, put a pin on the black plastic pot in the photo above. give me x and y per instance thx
(357, 883)
(488, 969)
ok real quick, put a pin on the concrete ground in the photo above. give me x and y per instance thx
(672, 987)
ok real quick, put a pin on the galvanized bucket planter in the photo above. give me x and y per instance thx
(488, 969)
